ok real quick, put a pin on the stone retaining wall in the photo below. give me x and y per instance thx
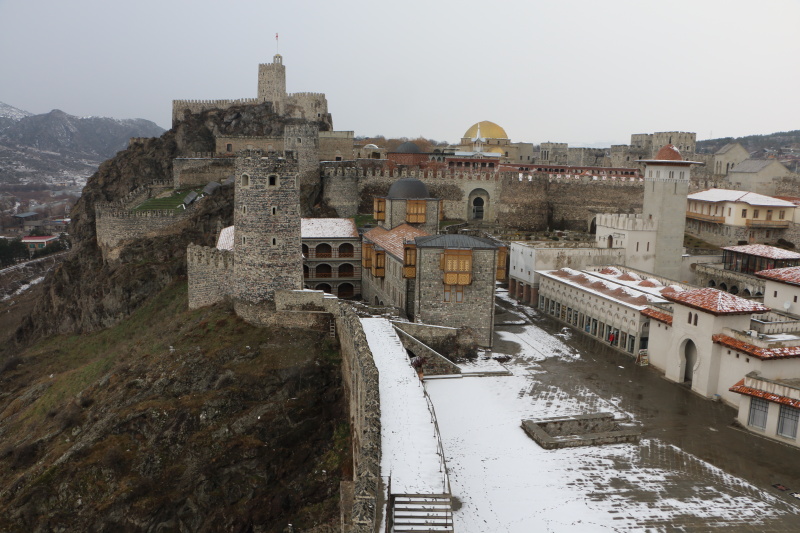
(191, 172)
(435, 363)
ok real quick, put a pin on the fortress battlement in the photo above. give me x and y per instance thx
(206, 255)
(306, 95)
(629, 222)
(356, 171)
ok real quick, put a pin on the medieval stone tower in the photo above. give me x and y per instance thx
(302, 139)
(267, 221)
(272, 82)
(665, 190)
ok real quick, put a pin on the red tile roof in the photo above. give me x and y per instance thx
(790, 275)
(668, 152)
(666, 318)
(765, 354)
(740, 388)
(763, 250)
(392, 241)
(715, 302)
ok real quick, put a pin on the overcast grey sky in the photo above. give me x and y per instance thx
(577, 71)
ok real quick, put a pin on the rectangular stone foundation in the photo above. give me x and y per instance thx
(579, 430)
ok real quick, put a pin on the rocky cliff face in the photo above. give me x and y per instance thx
(85, 293)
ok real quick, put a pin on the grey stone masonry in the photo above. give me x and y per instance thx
(579, 430)
(476, 308)
(210, 272)
(267, 221)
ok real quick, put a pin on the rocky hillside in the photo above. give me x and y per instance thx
(85, 293)
(55, 145)
(173, 420)
(774, 142)
(123, 411)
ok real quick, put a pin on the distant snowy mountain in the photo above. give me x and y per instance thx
(57, 145)
(7, 111)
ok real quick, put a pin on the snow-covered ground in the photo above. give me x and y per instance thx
(506, 482)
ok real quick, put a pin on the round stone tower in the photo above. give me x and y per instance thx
(272, 82)
(267, 245)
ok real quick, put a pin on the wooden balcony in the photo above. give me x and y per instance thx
(704, 217)
(777, 224)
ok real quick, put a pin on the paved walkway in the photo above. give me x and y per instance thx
(692, 470)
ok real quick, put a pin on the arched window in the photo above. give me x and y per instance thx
(690, 317)
(245, 180)
(273, 180)
(695, 319)
(274, 241)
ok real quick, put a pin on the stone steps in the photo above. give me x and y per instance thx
(422, 513)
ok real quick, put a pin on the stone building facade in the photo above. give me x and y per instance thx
(331, 256)
(528, 200)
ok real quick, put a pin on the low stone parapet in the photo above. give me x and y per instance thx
(580, 430)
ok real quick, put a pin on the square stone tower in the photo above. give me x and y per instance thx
(267, 243)
(666, 185)
(272, 82)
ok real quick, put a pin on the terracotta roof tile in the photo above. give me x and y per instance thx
(790, 275)
(668, 152)
(661, 316)
(763, 250)
(765, 354)
(392, 241)
(715, 301)
(740, 388)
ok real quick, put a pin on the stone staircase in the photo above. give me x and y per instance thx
(422, 513)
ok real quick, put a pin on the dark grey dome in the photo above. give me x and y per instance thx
(408, 188)
(408, 148)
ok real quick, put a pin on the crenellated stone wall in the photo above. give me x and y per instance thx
(115, 225)
(524, 200)
(181, 107)
(209, 271)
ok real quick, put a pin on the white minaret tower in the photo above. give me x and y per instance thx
(666, 185)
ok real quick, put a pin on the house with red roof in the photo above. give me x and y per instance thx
(738, 350)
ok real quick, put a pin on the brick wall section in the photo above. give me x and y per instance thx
(477, 309)
(190, 172)
(257, 226)
(210, 271)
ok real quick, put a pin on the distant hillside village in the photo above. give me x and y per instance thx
(682, 260)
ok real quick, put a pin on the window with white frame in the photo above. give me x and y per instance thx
(758, 413)
(787, 421)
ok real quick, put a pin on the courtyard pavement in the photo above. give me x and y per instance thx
(692, 471)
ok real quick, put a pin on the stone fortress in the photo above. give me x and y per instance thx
(486, 181)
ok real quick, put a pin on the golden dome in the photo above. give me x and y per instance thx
(489, 130)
